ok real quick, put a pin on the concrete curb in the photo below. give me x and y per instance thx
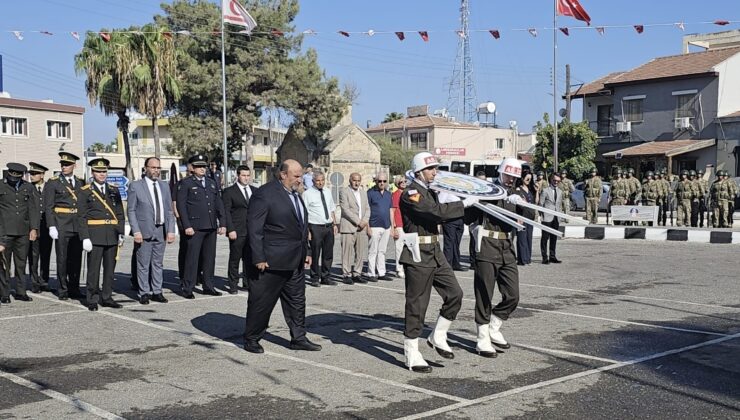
(648, 233)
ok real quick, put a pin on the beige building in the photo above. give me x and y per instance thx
(38, 130)
(266, 141)
(141, 142)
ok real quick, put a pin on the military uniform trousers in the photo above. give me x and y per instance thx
(684, 212)
(452, 231)
(498, 268)
(695, 213)
(592, 209)
(264, 292)
(419, 281)
(565, 206)
(239, 250)
(16, 252)
(201, 249)
(39, 256)
(105, 255)
(661, 211)
(69, 262)
(322, 250)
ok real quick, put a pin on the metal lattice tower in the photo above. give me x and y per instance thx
(461, 101)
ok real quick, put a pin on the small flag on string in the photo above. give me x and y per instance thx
(19, 35)
(424, 35)
(565, 31)
(309, 32)
(600, 30)
(533, 32)
(343, 33)
(167, 35)
(401, 36)
(183, 32)
(370, 32)
(721, 22)
(461, 34)
(495, 33)
(46, 33)
(75, 35)
(680, 26)
(639, 28)
(276, 32)
(105, 36)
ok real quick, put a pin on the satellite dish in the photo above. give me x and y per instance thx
(487, 108)
(562, 112)
(512, 124)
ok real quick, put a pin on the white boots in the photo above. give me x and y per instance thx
(414, 360)
(496, 337)
(483, 345)
(438, 338)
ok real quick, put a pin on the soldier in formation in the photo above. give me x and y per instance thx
(619, 192)
(684, 196)
(698, 189)
(703, 184)
(540, 184)
(723, 193)
(567, 187)
(39, 254)
(664, 198)
(651, 191)
(592, 192)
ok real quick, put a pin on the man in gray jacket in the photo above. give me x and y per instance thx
(152, 222)
(353, 227)
(550, 198)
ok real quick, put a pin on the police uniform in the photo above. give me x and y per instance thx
(39, 253)
(200, 208)
(60, 205)
(101, 225)
(19, 210)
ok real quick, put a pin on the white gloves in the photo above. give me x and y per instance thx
(120, 240)
(445, 197)
(53, 232)
(87, 245)
(514, 199)
(469, 201)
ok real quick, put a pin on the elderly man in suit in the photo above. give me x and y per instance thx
(152, 223)
(278, 232)
(551, 197)
(353, 227)
(236, 203)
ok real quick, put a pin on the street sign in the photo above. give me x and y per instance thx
(121, 182)
(115, 172)
(337, 180)
(449, 151)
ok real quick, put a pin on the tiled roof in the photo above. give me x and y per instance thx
(423, 121)
(41, 105)
(735, 114)
(663, 148)
(597, 85)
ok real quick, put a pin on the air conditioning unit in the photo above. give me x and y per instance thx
(624, 127)
(683, 123)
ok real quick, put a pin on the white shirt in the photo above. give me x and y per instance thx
(100, 187)
(150, 185)
(312, 199)
(359, 201)
(248, 194)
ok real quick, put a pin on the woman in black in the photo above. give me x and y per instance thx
(525, 189)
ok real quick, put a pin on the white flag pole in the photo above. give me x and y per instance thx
(223, 98)
(555, 85)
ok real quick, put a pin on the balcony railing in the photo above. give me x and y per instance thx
(603, 128)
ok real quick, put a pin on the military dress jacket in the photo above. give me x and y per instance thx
(199, 207)
(60, 203)
(18, 208)
(100, 223)
(495, 250)
(422, 213)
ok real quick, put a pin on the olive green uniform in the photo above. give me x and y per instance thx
(592, 192)
(684, 194)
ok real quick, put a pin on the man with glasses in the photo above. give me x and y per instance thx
(60, 204)
(552, 198)
(152, 224)
(397, 220)
(379, 201)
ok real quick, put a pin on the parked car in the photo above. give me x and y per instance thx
(578, 202)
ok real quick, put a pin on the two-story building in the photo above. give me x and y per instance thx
(38, 130)
(671, 112)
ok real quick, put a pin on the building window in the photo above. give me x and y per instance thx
(499, 143)
(397, 138)
(604, 120)
(418, 141)
(13, 126)
(633, 110)
(265, 141)
(57, 130)
(685, 106)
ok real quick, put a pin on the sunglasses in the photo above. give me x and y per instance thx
(382, 181)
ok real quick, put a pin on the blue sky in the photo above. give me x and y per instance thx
(513, 72)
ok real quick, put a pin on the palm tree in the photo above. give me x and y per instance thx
(154, 71)
(108, 82)
(393, 116)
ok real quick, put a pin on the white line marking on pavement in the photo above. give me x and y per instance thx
(565, 353)
(642, 324)
(40, 315)
(73, 401)
(568, 378)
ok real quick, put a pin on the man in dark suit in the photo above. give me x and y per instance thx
(40, 253)
(101, 224)
(278, 233)
(236, 202)
(202, 216)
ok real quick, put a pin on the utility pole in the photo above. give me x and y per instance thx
(567, 92)
(461, 91)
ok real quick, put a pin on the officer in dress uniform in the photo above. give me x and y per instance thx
(422, 212)
(101, 223)
(60, 205)
(40, 252)
(19, 210)
(202, 215)
(494, 261)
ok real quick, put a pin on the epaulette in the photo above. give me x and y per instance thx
(86, 187)
(80, 178)
(54, 178)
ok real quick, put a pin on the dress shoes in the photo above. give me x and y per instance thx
(23, 297)
(372, 279)
(159, 298)
(188, 295)
(304, 345)
(5, 300)
(545, 261)
(315, 283)
(111, 304)
(385, 278)
(92, 307)
(253, 347)
(144, 299)
(555, 260)
(348, 280)
(328, 282)
(35, 289)
(75, 294)
(63, 296)
(233, 290)
(212, 292)
(460, 268)
(359, 279)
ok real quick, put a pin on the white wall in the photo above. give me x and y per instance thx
(729, 85)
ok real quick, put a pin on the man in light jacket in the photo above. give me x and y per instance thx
(353, 228)
(551, 198)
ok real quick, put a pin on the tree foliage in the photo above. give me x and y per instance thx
(576, 147)
(394, 155)
(393, 116)
(262, 71)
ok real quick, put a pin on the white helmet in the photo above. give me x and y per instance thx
(511, 167)
(423, 160)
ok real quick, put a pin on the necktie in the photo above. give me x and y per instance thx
(39, 188)
(157, 210)
(246, 195)
(102, 190)
(323, 202)
(71, 181)
(297, 208)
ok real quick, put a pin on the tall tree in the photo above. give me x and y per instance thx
(394, 155)
(576, 147)
(108, 83)
(97, 147)
(263, 71)
(393, 116)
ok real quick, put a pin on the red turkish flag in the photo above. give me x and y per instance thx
(401, 36)
(343, 33)
(639, 28)
(105, 36)
(574, 9)
(721, 22)
(565, 31)
(424, 35)
(495, 33)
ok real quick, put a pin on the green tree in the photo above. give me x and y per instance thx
(394, 155)
(393, 116)
(576, 147)
(97, 147)
(263, 71)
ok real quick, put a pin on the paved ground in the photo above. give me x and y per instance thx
(620, 330)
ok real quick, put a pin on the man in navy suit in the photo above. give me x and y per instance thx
(278, 233)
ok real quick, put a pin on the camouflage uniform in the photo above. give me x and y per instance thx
(714, 200)
(684, 195)
(704, 188)
(651, 192)
(696, 200)
(567, 188)
(662, 197)
(635, 188)
(592, 193)
(731, 203)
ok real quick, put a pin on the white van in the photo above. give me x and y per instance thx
(472, 167)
